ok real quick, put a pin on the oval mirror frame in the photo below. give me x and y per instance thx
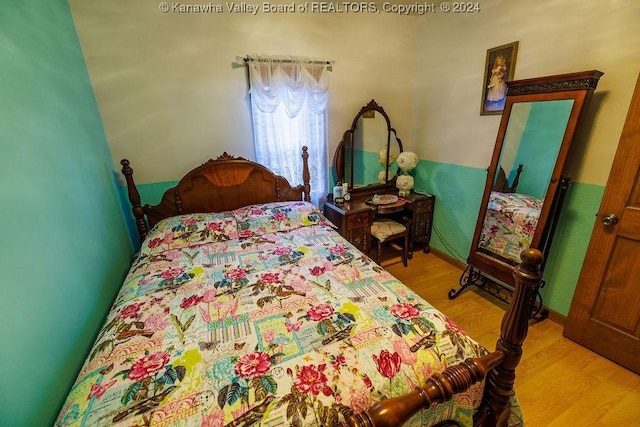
(343, 159)
(576, 87)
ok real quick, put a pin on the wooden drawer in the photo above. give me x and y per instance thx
(353, 221)
(421, 224)
(359, 220)
(423, 207)
(359, 230)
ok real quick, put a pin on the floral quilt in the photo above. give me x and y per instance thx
(509, 224)
(261, 316)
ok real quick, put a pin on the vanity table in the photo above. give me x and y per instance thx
(354, 218)
(371, 135)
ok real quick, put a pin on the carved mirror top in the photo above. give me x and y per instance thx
(365, 157)
(584, 80)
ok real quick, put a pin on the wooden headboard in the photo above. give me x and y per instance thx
(502, 184)
(219, 185)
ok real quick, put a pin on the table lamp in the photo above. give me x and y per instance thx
(382, 159)
(407, 161)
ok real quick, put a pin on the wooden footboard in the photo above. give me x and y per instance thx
(498, 367)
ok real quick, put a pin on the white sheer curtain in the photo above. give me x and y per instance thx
(289, 98)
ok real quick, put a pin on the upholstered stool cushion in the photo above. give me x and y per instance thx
(383, 228)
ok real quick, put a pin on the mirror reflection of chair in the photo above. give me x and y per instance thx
(384, 230)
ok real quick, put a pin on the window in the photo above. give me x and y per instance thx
(289, 110)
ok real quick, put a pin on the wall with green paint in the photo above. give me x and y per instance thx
(366, 167)
(458, 190)
(540, 144)
(64, 248)
(569, 245)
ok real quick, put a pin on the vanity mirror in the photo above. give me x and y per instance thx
(365, 157)
(525, 184)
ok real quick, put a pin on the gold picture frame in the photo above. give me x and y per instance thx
(498, 69)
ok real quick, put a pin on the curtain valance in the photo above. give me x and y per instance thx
(288, 80)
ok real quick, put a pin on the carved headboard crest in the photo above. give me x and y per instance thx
(224, 157)
(227, 156)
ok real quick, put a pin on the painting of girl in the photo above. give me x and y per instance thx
(498, 70)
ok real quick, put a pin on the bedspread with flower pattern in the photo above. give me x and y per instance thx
(509, 224)
(261, 316)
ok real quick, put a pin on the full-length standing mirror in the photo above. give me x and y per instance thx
(525, 182)
(365, 149)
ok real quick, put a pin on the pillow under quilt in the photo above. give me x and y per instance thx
(190, 230)
(204, 228)
(276, 217)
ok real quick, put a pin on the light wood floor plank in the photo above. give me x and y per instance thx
(559, 383)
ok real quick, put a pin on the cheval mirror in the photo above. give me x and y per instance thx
(365, 149)
(525, 185)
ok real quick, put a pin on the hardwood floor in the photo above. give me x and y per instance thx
(558, 383)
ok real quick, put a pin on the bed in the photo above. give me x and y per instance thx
(509, 225)
(245, 307)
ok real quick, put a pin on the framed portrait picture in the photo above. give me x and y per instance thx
(498, 69)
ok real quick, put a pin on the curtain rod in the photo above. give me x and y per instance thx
(286, 61)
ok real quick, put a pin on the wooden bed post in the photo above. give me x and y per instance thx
(134, 198)
(439, 388)
(305, 174)
(513, 331)
(516, 180)
(498, 367)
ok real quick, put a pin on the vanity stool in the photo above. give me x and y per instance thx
(385, 230)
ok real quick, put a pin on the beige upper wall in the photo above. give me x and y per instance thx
(170, 95)
(555, 36)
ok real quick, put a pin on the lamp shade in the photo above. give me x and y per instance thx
(382, 158)
(407, 160)
(404, 183)
(382, 176)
